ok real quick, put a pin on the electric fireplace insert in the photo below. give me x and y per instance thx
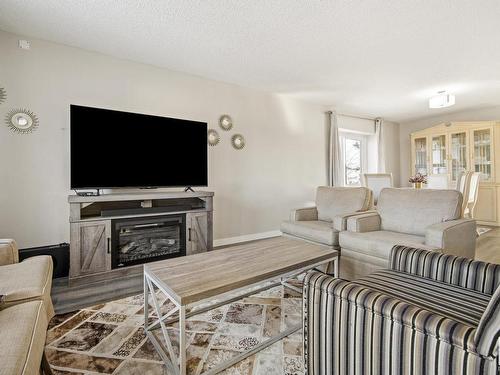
(137, 241)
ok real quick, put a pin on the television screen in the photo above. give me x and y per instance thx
(112, 149)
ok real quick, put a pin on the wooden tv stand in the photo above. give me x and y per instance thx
(91, 233)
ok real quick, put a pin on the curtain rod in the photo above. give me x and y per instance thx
(353, 116)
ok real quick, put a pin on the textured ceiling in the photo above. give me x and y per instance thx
(374, 58)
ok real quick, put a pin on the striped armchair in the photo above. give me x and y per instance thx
(429, 313)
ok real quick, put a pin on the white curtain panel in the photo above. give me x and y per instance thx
(334, 169)
(379, 136)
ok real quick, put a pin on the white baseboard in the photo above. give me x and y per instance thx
(246, 237)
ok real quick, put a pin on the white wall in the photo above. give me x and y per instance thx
(406, 128)
(392, 150)
(282, 163)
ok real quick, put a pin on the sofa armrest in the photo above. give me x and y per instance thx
(467, 273)
(455, 237)
(487, 337)
(365, 222)
(348, 296)
(8, 252)
(340, 221)
(304, 214)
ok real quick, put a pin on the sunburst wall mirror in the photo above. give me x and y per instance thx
(213, 137)
(226, 122)
(238, 141)
(3, 95)
(21, 120)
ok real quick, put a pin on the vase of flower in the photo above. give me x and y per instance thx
(418, 180)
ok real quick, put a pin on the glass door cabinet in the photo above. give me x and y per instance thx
(452, 148)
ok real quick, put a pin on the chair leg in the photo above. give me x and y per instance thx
(330, 268)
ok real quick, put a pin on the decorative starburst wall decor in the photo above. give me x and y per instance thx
(213, 137)
(226, 122)
(238, 141)
(21, 120)
(3, 95)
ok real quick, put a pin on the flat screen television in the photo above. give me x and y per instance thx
(114, 149)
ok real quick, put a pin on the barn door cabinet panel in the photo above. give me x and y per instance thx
(198, 232)
(90, 248)
(454, 147)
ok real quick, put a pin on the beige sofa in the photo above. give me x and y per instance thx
(421, 218)
(333, 204)
(24, 301)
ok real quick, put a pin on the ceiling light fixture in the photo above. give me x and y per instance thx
(442, 100)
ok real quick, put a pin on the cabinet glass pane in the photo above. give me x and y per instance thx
(458, 154)
(482, 153)
(421, 155)
(439, 155)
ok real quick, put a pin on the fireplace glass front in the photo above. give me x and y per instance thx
(137, 241)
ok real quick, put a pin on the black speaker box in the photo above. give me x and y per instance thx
(59, 254)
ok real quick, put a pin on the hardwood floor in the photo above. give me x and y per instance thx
(67, 298)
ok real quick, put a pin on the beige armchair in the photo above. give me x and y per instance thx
(25, 300)
(425, 218)
(334, 205)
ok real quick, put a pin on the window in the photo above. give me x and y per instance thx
(353, 153)
(352, 162)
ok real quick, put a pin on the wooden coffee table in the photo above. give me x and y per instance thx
(228, 274)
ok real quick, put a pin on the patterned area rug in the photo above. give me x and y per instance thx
(109, 338)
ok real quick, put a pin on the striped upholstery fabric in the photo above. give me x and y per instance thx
(387, 324)
(480, 276)
(461, 304)
(488, 331)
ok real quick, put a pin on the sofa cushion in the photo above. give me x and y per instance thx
(378, 243)
(317, 231)
(22, 343)
(460, 304)
(333, 201)
(29, 280)
(413, 210)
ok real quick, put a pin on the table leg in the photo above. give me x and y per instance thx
(335, 267)
(171, 361)
(146, 302)
(182, 340)
(331, 268)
